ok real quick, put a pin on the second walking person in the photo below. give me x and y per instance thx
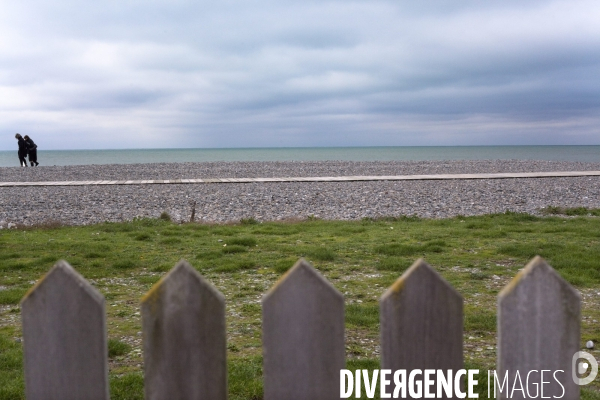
(32, 150)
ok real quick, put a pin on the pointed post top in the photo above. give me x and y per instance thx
(63, 272)
(182, 271)
(64, 336)
(537, 267)
(421, 273)
(421, 322)
(303, 336)
(302, 270)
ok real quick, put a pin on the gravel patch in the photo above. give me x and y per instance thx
(272, 169)
(229, 202)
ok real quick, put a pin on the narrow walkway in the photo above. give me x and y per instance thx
(507, 175)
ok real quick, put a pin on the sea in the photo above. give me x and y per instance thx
(391, 153)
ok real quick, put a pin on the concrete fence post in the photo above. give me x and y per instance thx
(303, 337)
(539, 317)
(421, 319)
(64, 338)
(184, 338)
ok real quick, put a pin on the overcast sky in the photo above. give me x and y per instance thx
(266, 73)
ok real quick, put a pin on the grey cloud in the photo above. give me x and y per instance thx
(313, 73)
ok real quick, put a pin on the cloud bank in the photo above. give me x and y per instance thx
(142, 74)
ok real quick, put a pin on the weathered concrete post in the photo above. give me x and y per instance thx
(64, 337)
(421, 319)
(303, 337)
(184, 338)
(538, 330)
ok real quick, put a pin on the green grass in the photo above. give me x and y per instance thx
(234, 249)
(129, 386)
(411, 249)
(117, 348)
(320, 254)
(125, 264)
(143, 236)
(479, 321)
(12, 385)
(11, 296)
(362, 315)
(243, 241)
(395, 264)
(245, 378)
(236, 266)
(165, 216)
(361, 259)
(574, 211)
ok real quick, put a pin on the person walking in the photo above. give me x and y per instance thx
(22, 150)
(32, 150)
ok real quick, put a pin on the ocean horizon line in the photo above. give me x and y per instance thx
(58, 157)
(320, 147)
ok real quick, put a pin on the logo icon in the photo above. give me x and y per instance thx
(580, 367)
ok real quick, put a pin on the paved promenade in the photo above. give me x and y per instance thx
(555, 174)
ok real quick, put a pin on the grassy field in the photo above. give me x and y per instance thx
(477, 255)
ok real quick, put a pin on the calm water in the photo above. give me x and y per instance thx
(83, 157)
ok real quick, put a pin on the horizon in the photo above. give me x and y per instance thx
(310, 147)
(573, 153)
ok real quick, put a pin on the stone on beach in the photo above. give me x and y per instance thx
(265, 201)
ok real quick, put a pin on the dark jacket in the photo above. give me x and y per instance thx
(31, 146)
(22, 146)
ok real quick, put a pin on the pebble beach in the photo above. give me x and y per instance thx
(272, 201)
